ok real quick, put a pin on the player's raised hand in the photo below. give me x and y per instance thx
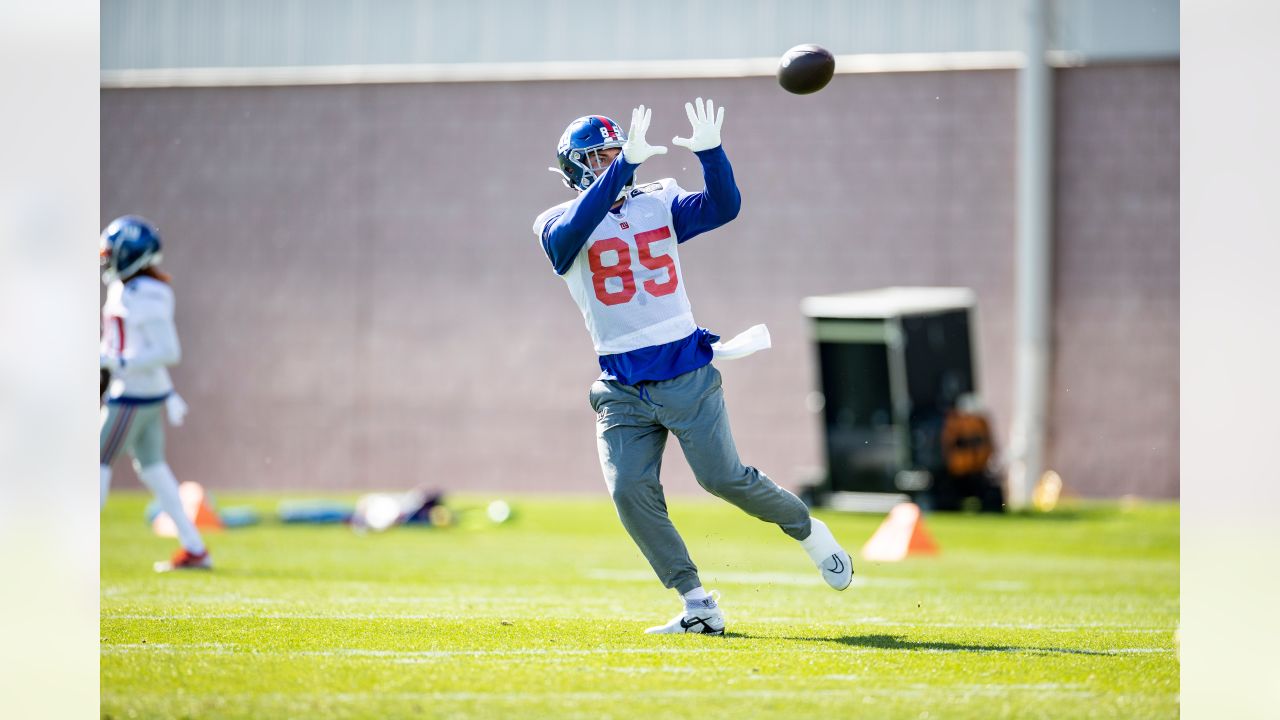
(706, 124)
(636, 149)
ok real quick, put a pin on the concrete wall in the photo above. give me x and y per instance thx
(363, 305)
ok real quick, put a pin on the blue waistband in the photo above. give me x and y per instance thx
(131, 400)
(660, 362)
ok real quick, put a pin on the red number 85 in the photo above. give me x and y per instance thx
(622, 268)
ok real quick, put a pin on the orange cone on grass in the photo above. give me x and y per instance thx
(195, 503)
(901, 534)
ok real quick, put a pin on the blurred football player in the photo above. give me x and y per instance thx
(139, 343)
(616, 246)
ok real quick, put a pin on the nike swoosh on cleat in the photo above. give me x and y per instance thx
(691, 622)
(838, 563)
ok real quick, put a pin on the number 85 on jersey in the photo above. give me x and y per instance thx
(612, 274)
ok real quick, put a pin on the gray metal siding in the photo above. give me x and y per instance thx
(141, 34)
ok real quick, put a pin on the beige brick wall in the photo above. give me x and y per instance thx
(1115, 389)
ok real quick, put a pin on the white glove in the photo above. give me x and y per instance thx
(636, 149)
(706, 132)
(176, 408)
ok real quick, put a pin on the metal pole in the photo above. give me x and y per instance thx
(1034, 260)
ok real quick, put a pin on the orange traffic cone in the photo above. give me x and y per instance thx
(196, 505)
(901, 534)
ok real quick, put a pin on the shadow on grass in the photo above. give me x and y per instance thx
(893, 642)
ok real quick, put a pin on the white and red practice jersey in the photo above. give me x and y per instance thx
(626, 279)
(138, 327)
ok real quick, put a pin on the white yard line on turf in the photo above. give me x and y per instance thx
(1052, 627)
(410, 656)
(575, 698)
(743, 617)
(749, 578)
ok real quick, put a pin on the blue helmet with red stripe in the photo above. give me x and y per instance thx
(579, 145)
(128, 245)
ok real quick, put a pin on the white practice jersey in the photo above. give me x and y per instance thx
(626, 279)
(137, 326)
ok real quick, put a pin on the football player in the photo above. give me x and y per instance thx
(616, 246)
(139, 343)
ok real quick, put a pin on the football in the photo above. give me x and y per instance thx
(806, 69)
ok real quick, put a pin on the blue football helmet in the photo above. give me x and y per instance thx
(578, 148)
(128, 245)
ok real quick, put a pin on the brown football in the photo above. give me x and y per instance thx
(806, 69)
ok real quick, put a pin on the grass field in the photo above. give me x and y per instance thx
(1072, 615)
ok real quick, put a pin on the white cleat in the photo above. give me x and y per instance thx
(837, 570)
(704, 617)
(826, 553)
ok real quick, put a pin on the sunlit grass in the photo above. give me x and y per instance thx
(1062, 616)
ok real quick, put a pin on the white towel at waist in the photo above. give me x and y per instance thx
(743, 344)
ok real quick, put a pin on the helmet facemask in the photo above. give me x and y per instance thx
(108, 261)
(594, 164)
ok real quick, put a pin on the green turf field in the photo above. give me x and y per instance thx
(1071, 615)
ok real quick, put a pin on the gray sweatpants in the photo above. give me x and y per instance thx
(137, 429)
(631, 432)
